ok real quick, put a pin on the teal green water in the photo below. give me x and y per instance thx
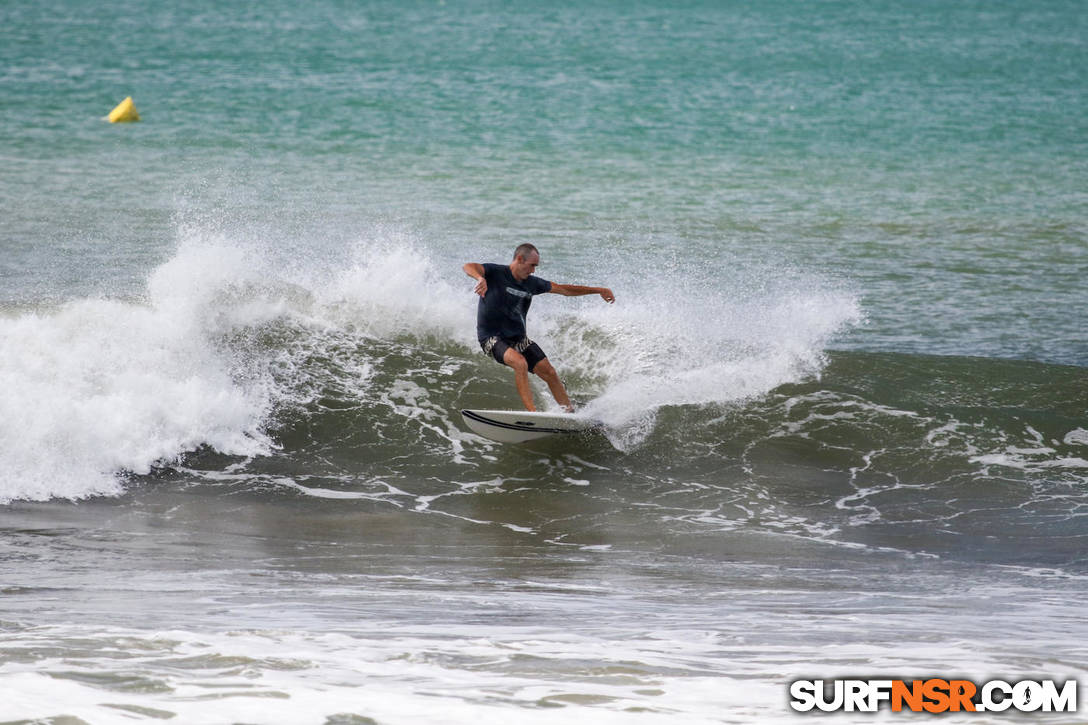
(930, 156)
(843, 392)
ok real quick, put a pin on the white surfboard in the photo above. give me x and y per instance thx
(519, 426)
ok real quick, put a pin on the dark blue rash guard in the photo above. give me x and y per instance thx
(502, 309)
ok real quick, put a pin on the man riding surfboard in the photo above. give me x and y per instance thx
(506, 291)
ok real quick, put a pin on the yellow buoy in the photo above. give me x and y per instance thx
(124, 112)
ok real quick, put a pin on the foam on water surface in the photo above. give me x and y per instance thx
(229, 336)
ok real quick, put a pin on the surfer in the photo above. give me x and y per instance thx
(506, 291)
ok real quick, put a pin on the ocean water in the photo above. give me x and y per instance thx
(844, 382)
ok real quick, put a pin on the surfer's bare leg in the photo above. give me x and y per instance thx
(516, 360)
(548, 374)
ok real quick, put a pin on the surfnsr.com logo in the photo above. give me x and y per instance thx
(933, 695)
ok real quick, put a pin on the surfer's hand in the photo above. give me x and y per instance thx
(607, 296)
(481, 287)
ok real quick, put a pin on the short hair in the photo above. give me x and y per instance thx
(524, 250)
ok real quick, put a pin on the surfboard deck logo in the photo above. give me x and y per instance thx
(519, 426)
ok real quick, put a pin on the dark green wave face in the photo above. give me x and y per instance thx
(963, 458)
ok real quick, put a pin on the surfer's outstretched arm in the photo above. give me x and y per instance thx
(577, 290)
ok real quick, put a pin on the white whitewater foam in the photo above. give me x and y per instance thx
(408, 676)
(1077, 436)
(658, 347)
(101, 387)
(392, 289)
(98, 387)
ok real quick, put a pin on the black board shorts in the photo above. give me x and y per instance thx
(496, 347)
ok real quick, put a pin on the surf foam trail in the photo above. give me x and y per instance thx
(233, 334)
(696, 338)
(99, 388)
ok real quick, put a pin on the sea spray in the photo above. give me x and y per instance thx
(101, 386)
(226, 336)
(393, 288)
(233, 332)
(691, 340)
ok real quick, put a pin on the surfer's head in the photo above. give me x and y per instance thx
(526, 258)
